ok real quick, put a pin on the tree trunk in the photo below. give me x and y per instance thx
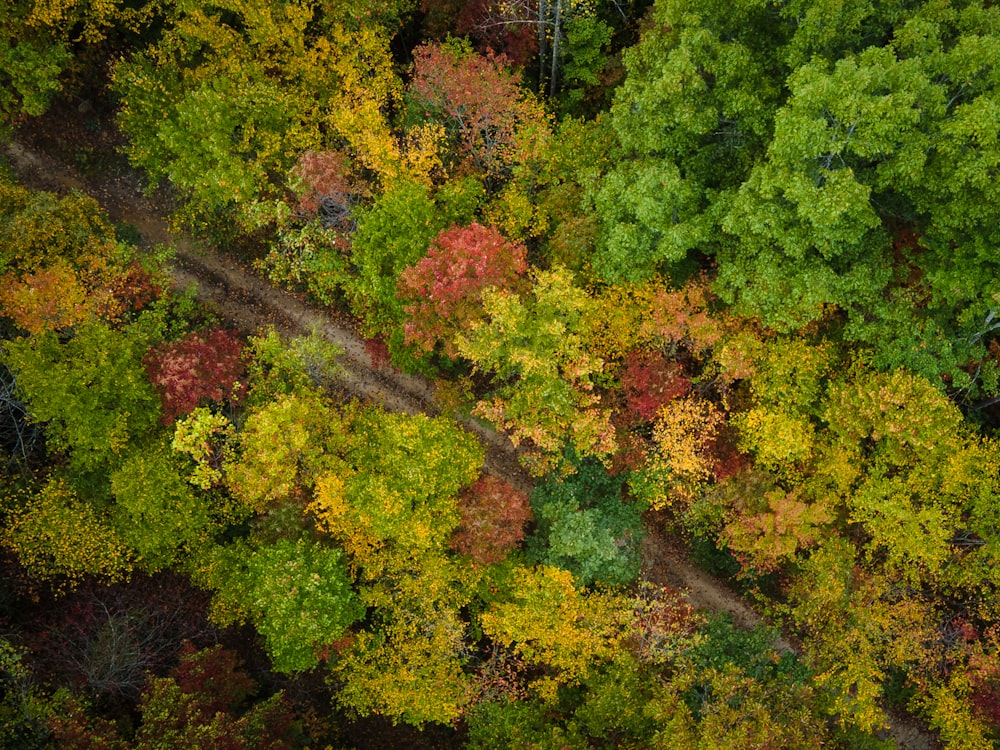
(543, 41)
(556, 29)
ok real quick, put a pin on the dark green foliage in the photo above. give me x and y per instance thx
(519, 724)
(297, 594)
(585, 526)
(752, 651)
(23, 710)
(584, 48)
(32, 58)
(91, 390)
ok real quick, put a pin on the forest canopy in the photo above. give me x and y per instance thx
(722, 273)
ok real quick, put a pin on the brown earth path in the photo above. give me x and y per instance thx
(251, 303)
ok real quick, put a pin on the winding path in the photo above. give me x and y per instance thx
(251, 303)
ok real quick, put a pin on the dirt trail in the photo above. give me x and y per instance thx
(251, 303)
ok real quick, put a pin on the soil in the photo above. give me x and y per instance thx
(250, 303)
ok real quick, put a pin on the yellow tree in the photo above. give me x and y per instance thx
(392, 502)
(535, 346)
(553, 625)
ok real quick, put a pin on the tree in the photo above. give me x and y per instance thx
(396, 484)
(491, 123)
(91, 390)
(282, 450)
(650, 380)
(911, 494)
(59, 537)
(535, 346)
(39, 42)
(23, 709)
(393, 234)
(296, 593)
(853, 632)
(283, 367)
(48, 299)
(22, 440)
(203, 704)
(735, 690)
(106, 641)
(61, 265)
(446, 285)
(196, 369)
(393, 505)
(556, 27)
(585, 525)
(493, 518)
(30, 65)
(684, 435)
(551, 624)
(231, 95)
(693, 113)
(156, 513)
(788, 379)
(408, 664)
(204, 437)
(741, 144)
(783, 525)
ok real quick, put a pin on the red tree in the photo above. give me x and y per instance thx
(487, 23)
(196, 369)
(480, 103)
(324, 188)
(494, 515)
(446, 285)
(650, 380)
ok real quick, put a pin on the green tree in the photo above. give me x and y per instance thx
(585, 525)
(297, 593)
(91, 391)
(829, 158)
(157, 514)
(694, 113)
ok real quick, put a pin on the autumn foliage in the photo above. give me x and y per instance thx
(490, 121)
(324, 188)
(446, 285)
(196, 369)
(494, 515)
(60, 295)
(650, 380)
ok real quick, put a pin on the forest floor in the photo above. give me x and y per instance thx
(61, 154)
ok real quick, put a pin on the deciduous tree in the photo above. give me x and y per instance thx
(491, 122)
(494, 515)
(535, 345)
(446, 285)
(91, 390)
(196, 369)
(296, 593)
(585, 525)
(59, 537)
(551, 624)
